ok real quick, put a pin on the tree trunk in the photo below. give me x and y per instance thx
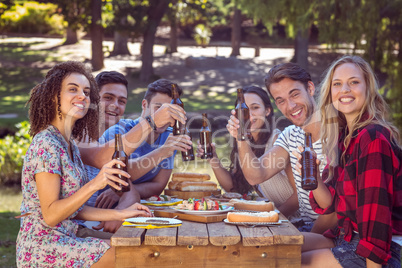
(236, 32)
(71, 36)
(173, 32)
(97, 35)
(156, 11)
(120, 44)
(301, 49)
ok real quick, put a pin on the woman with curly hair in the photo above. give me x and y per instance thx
(279, 188)
(365, 188)
(64, 107)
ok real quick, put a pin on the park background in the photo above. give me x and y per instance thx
(208, 47)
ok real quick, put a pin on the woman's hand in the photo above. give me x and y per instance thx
(200, 151)
(106, 176)
(233, 124)
(298, 165)
(135, 210)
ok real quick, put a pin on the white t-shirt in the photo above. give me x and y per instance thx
(290, 139)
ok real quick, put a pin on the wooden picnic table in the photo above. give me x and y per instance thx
(217, 244)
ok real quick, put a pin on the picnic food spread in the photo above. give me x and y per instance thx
(271, 216)
(203, 204)
(252, 205)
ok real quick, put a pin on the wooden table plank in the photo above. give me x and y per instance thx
(256, 236)
(161, 237)
(208, 256)
(222, 234)
(287, 234)
(128, 236)
(192, 234)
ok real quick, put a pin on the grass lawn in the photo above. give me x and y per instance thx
(10, 201)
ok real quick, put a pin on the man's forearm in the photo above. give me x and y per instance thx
(129, 198)
(148, 189)
(140, 166)
(257, 170)
(97, 155)
(290, 206)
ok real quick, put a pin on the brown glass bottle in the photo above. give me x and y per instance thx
(189, 154)
(243, 114)
(309, 165)
(205, 138)
(120, 155)
(178, 127)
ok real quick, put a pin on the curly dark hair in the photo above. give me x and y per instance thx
(240, 183)
(43, 107)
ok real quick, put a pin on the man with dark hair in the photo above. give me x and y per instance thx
(147, 136)
(151, 163)
(292, 90)
(113, 97)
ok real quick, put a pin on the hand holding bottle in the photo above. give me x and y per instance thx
(233, 125)
(107, 176)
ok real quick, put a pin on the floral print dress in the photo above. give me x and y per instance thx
(38, 244)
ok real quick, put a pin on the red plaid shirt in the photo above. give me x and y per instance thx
(367, 192)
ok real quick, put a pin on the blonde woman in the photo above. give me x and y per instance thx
(365, 188)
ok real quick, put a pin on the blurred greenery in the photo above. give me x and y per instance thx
(9, 227)
(10, 201)
(32, 17)
(12, 153)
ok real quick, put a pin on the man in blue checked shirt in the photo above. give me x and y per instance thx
(151, 154)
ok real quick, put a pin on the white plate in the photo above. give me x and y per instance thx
(154, 220)
(173, 200)
(204, 212)
(257, 223)
(253, 211)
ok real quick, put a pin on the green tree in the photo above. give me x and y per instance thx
(236, 30)
(97, 35)
(75, 14)
(375, 32)
(296, 15)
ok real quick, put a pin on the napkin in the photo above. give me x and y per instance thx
(162, 204)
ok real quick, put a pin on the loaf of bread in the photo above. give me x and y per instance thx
(271, 216)
(252, 205)
(192, 186)
(183, 176)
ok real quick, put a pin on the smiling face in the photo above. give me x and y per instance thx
(294, 100)
(113, 101)
(348, 90)
(74, 96)
(258, 111)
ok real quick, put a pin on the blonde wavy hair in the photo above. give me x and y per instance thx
(375, 108)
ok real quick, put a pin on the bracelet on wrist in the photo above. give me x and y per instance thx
(150, 122)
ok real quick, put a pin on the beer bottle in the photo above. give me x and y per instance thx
(309, 165)
(178, 127)
(205, 138)
(120, 155)
(189, 154)
(243, 114)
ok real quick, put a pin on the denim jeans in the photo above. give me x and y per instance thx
(345, 253)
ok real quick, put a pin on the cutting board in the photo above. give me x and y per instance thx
(187, 195)
(170, 213)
